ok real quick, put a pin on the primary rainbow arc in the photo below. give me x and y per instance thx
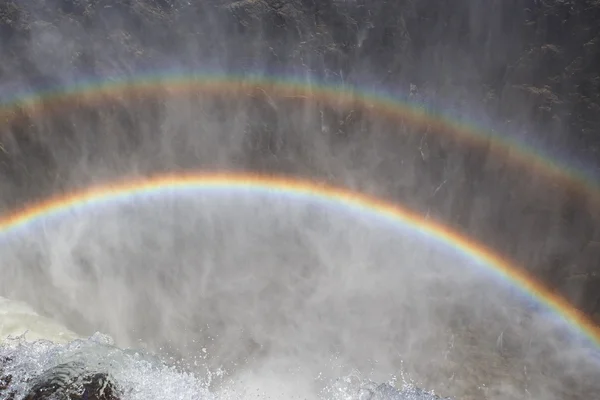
(359, 202)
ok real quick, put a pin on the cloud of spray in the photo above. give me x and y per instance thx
(265, 279)
(268, 284)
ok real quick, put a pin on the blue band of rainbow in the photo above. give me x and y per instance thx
(370, 206)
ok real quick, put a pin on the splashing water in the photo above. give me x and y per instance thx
(138, 375)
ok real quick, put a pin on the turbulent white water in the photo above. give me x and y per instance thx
(141, 376)
(260, 296)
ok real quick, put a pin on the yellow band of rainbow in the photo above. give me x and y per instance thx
(367, 205)
(219, 84)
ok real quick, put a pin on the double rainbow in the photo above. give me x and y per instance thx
(378, 104)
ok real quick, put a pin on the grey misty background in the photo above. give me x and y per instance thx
(526, 67)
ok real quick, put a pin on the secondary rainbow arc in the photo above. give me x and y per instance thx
(385, 105)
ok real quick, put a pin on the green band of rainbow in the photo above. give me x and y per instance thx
(146, 85)
(361, 203)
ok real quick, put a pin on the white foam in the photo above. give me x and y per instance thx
(270, 381)
(17, 319)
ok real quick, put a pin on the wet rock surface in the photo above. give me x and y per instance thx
(73, 383)
(63, 382)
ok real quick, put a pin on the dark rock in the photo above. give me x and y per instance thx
(70, 381)
(5, 381)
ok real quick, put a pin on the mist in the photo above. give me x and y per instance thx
(276, 291)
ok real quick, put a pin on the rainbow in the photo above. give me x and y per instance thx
(360, 203)
(520, 153)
